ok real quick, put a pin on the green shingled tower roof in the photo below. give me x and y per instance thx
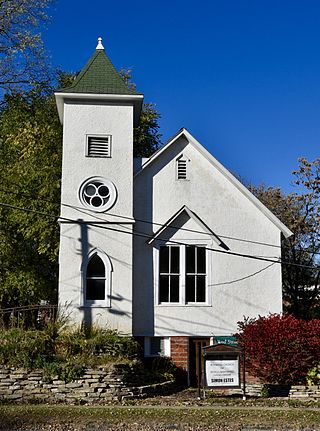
(99, 76)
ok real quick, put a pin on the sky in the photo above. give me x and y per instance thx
(242, 76)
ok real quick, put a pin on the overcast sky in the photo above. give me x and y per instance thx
(242, 76)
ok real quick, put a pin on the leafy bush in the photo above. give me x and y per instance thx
(62, 352)
(313, 376)
(96, 341)
(65, 370)
(28, 349)
(161, 369)
(280, 348)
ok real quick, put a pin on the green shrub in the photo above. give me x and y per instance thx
(64, 370)
(96, 341)
(264, 392)
(44, 348)
(28, 349)
(161, 369)
(313, 376)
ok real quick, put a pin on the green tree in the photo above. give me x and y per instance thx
(146, 136)
(22, 57)
(30, 160)
(300, 211)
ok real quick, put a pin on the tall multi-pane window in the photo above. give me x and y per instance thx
(195, 274)
(169, 274)
(182, 274)
(95, 279)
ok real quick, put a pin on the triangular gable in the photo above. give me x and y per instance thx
(217, 165)
(171, 223)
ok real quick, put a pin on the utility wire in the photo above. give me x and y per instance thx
(139, 234)
(165, 240)
(243, 278)
(153, 223)
(32, 196)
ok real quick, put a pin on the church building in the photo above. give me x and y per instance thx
(169, 249)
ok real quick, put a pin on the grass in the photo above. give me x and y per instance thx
(157, 417)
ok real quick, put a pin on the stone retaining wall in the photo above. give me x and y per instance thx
(304, 393)
(95, 386)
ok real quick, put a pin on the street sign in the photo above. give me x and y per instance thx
(225, 339)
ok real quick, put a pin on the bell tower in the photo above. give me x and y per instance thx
(98, 112)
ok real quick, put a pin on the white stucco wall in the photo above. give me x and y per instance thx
(73, 250)
(158, 195)
(84, 119)
(80, 120)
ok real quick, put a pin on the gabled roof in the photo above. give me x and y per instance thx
(98, 76)
(217, 165)
(172, 220)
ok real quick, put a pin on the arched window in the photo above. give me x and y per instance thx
(96, 279)
(96, 272)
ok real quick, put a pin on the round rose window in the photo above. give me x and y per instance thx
(98, 194)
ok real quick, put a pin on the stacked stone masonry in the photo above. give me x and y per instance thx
(95, 386)
(304, 393)
(100, 386)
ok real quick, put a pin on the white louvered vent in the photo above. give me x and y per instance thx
(99, 146)
(181, 169)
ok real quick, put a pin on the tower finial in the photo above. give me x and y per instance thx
(99, 46)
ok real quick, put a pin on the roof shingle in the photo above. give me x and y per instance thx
(99, 76)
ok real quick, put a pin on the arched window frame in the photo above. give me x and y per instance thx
(108, 280)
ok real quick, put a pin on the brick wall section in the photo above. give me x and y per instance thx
(250, 379)
(180, 352)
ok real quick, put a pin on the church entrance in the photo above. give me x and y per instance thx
(195, 363)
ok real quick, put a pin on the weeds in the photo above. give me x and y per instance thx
(65, 354)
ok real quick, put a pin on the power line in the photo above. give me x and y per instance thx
(165, 240)
(99, 226)
(243, 278)
(89, 212)
(153, 223)
(80, 209)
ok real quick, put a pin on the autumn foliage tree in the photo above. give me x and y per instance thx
(300, 212)
(280, 349)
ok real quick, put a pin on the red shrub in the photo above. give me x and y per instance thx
(280, 348)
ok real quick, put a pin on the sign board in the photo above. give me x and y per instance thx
(221, 366)
(222, 372)
(221, 339)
